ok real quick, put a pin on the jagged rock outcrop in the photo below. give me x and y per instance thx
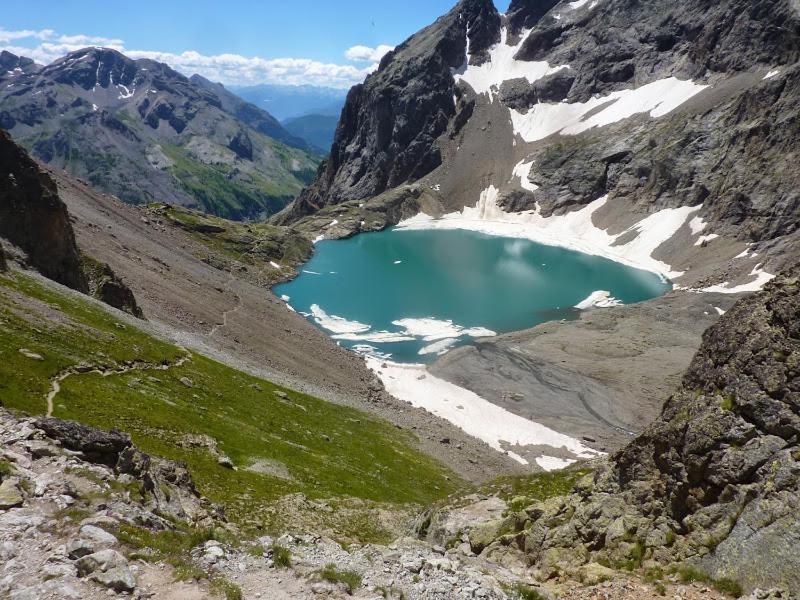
(165, 486)
(144, 132)
(11, 64)
(714, 482)
(684, 40)
(102, 447)
(104, 284)
(33, 217)
(389, 126)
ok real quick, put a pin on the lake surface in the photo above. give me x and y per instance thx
(409, 296)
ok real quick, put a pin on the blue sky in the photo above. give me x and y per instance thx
(314, 35)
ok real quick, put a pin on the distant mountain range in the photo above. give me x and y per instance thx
(289, 101)
(145, 133)
(318, 130)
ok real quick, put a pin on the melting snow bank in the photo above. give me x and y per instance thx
(761, 279)
(574, 230)
(657, 99)
(336, 324)
(598, 299)
(502, 66)
(475, 416)
(443, 333)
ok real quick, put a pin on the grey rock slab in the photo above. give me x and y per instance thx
(119, 579)
(103, 560)
(101, 536)
(10, 494)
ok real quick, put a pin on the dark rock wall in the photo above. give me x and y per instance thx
(34, 218)
(623, 43)
(389, 126)
(738, 158)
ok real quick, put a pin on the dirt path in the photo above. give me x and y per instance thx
(55, 383)
(225, 314)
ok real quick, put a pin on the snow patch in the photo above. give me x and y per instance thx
(501, 66)
(772, 74)
(761, 279)
(275, 265)
(377, 337)
(523, 171)
(720, 312)
(475, 416)
(574, 230)
(551, 463)
(431, 330)
(703, 239)
(697, 225)
(598, 299)
(657, 99)
(438, 348)
(126, 93)
(442, 334)
(336, 324)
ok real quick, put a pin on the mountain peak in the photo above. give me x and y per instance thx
(11, 63)
(94, 67)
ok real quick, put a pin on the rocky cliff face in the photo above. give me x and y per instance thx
(145, 133)
(35, 219)
(714, 482)
(618, 44)
(654, 105)
(388, 131)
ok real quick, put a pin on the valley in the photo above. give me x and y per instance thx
(514, 317)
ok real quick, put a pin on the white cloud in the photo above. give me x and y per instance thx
(367, 54)
(230, 69)
(89, 40)
(242, 70)
(10, 36)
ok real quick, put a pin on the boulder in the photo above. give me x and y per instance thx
(119, 579)
(10, 494)
(103, 560)
(103, 447)
(101, 536)
(594, 573)
(484, 534)
(79, 548)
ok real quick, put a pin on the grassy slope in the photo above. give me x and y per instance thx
(251, 244)
(235, 192)
(316, 448)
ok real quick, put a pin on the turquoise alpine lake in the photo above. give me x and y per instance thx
(410, 296)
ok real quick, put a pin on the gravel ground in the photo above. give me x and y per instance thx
(604, 388)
